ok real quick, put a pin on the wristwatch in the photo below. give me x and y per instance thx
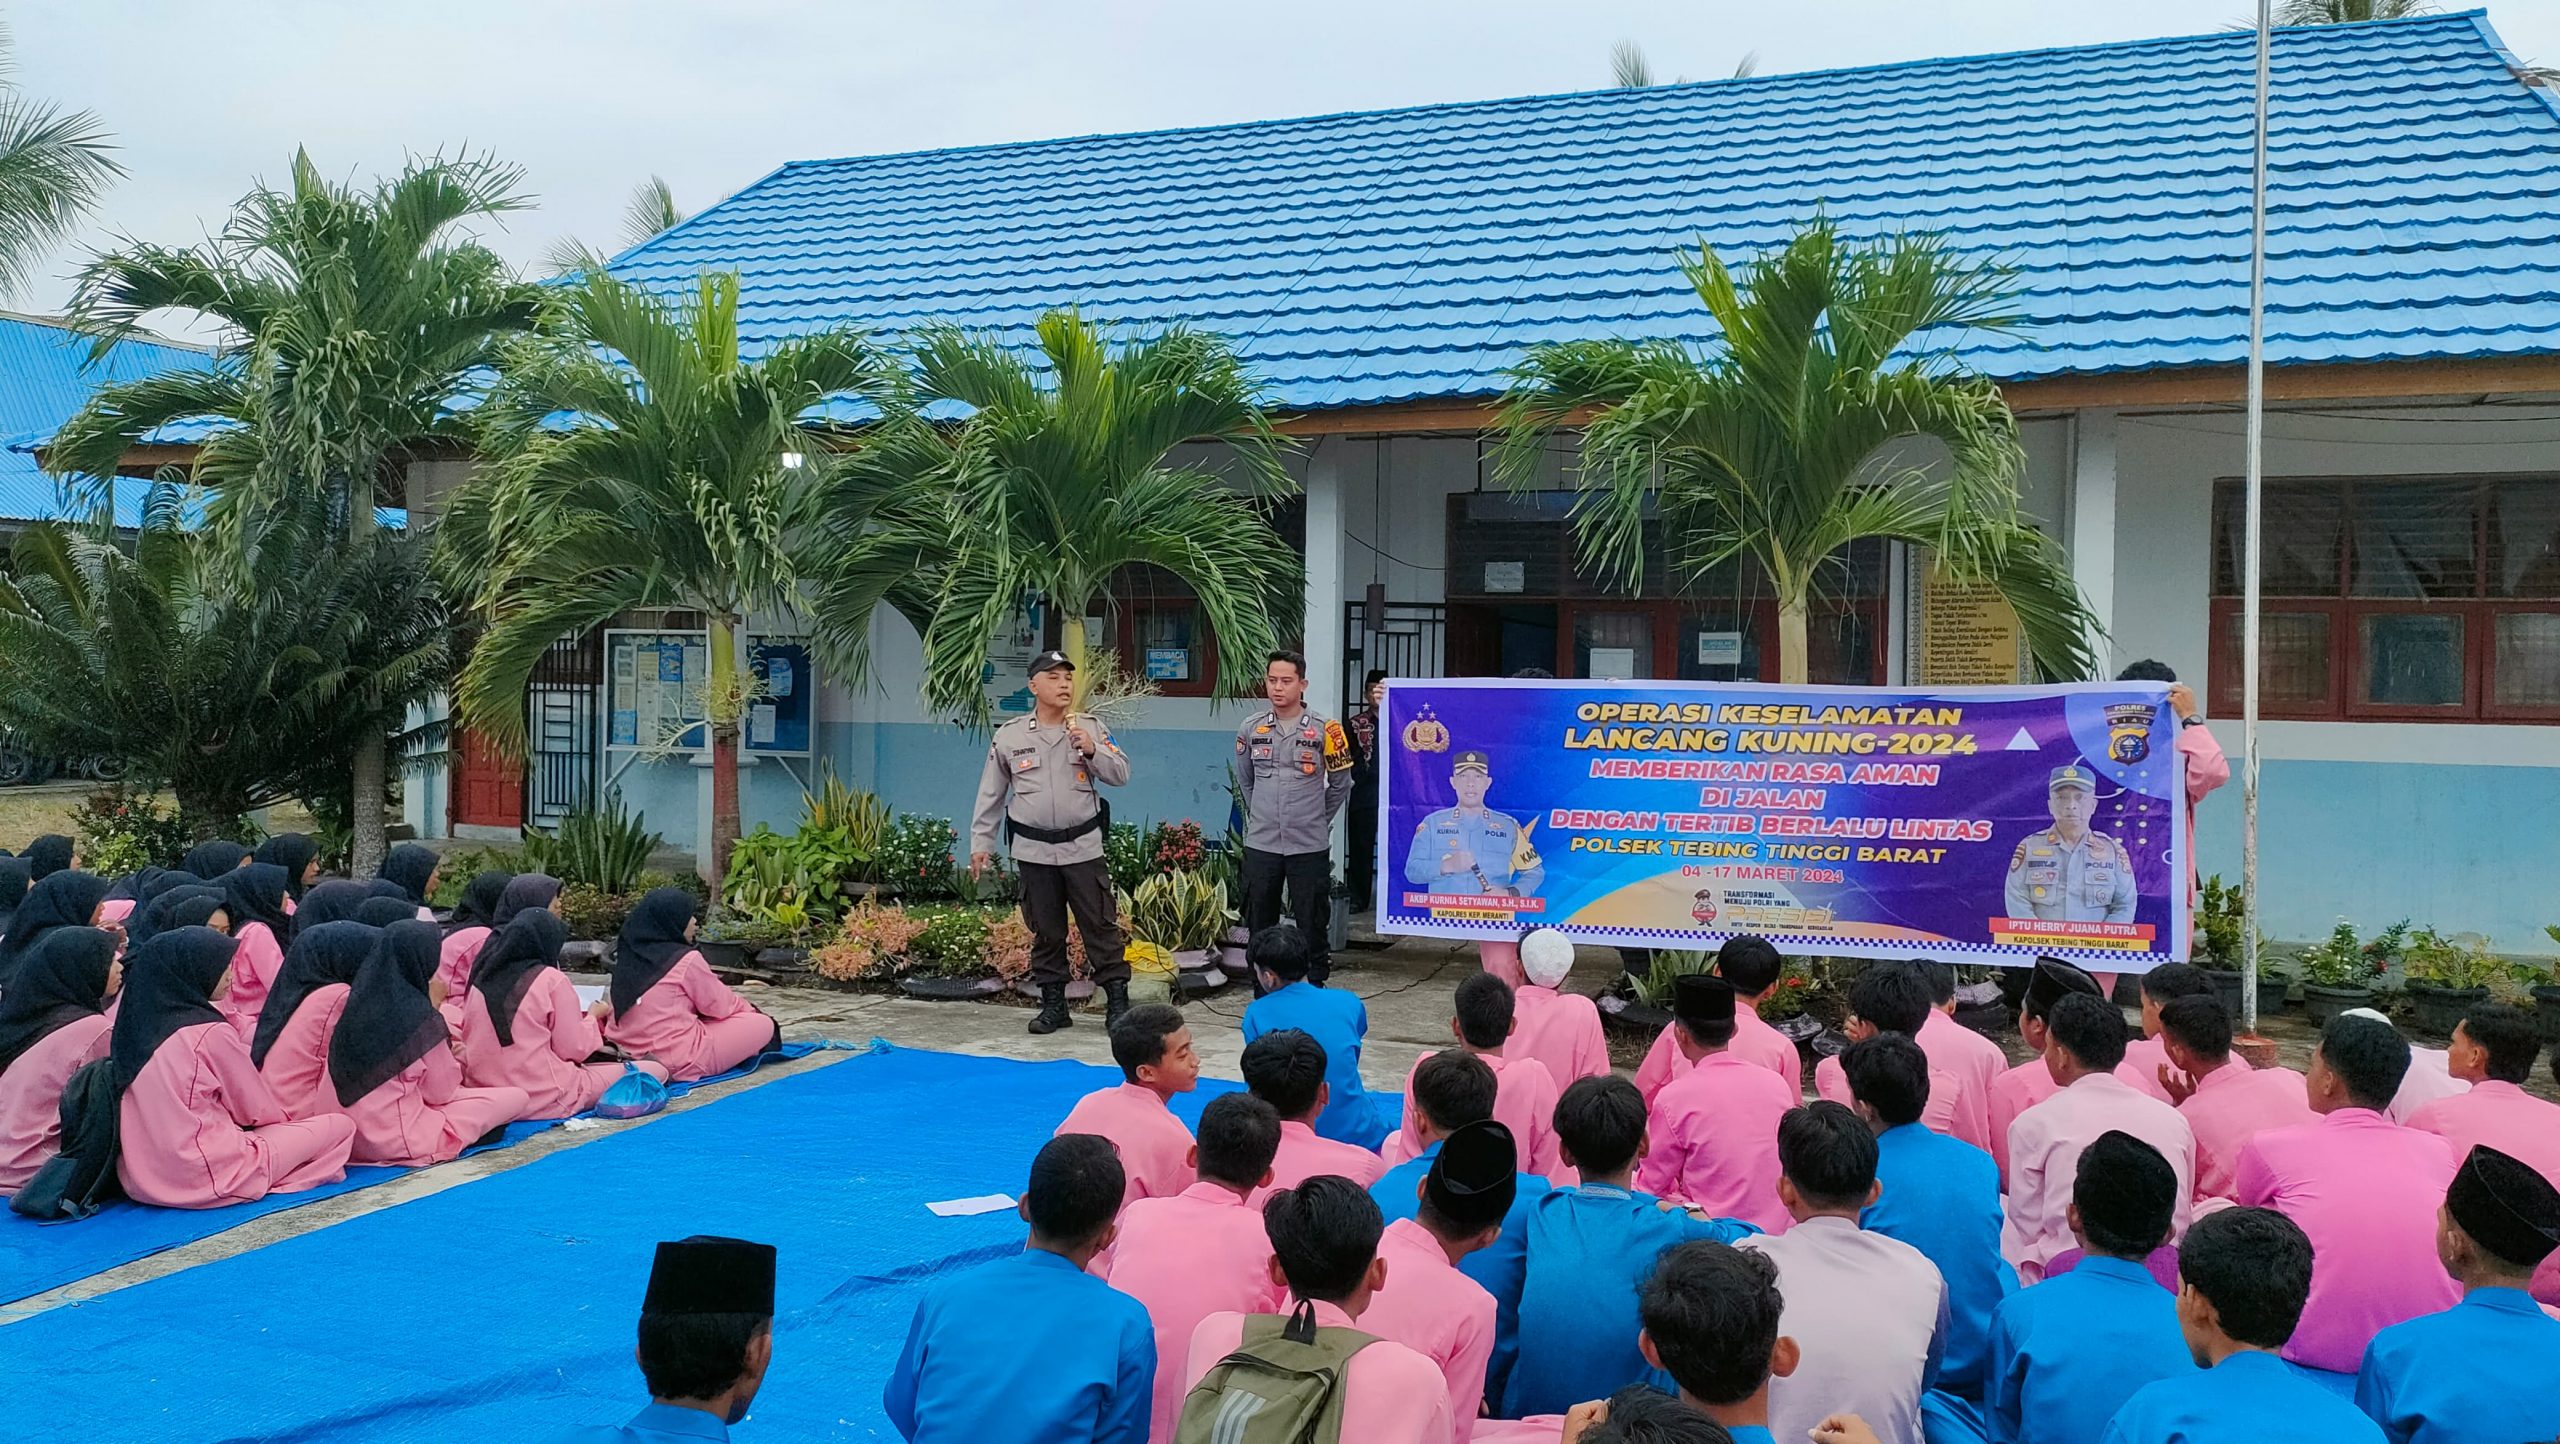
(2194, 719)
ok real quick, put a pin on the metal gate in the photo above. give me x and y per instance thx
(563, 702)
(1410, 640)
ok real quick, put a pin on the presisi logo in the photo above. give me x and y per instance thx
(1425, 733)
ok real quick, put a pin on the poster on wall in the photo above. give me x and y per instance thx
(1968, 825)
(1009, 656)
(779, 711)
(654, 689)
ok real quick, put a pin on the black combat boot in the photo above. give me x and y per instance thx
(1116, 1002)
(1053, 1009)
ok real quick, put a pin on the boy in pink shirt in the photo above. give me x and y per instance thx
(1972, 1059)
(2148, 1054)
(1713, 1140)
(1324, 1245)
(1753, 966)
(1561, 1030)
(1524, 1091)
(1152, 1045)
(2015, 1090)
(1286, 1070)
(1202, 1250)
(1426, 1304)
(2364, 1189)
(1895, 997)
(2224, 1100)
(2086, 1042)
(2493, 1050)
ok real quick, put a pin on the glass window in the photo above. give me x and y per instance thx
(1613, 644)
(2293, 659)
(2524, 539)
(2304, 526)
(2414, 539)
(2527, 666)
(2411, 659)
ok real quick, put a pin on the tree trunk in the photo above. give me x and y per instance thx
(1071, 640)
(365, 822)
(1794, 663)
(724, 756)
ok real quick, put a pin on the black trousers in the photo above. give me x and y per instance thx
(1306, 877)
(1052, 891)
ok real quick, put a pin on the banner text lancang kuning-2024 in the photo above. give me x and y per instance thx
(1969, 825)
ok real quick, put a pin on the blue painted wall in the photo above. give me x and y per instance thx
(933, 768)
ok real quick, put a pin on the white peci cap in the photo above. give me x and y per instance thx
(1546, 956)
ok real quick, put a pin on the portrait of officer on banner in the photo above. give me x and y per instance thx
(1470, 848)
(2068, 873)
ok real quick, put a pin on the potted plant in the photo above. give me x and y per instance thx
(2220, 953)
(2449, 977)
(2338, 971)
(949, 956)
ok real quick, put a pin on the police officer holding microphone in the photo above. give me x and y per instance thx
(1043, 777)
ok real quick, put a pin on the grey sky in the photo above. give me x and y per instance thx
(591, 96)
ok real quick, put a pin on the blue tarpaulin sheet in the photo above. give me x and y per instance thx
(504, 1308)
(36, 1256)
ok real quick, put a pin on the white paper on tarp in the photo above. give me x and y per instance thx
(588, 997)
(968, 1207)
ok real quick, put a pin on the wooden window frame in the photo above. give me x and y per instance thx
(1125, 614)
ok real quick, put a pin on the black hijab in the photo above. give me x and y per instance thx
(13, 891)
(479, 905)
(194, 908)
(382, 912)
(210, 860)
(47, 855)
(530, 892)
(408, 867)
(64, 979)
(293, 852)
(130, 885)
(64, 900)
(168, 985)
(652, 941)
(329, 953)
(334, 901)
(390, 1022)
(256, 895)
(514, 956)
(152, 904)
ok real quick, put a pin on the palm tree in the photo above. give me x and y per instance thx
(54, 164)
(2347, 12)
(232, 694)
(1778, 443)
(351, 319)
(1062, 474)
(686, 478)
(1629, 70)
(651, 209)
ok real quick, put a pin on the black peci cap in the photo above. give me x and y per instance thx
(1473, 1181)
(706, 1274)
(2505, 1206)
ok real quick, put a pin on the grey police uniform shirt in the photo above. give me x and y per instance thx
(1295, 776)
(1036, 776)
(1492, 839)
(2058, 882)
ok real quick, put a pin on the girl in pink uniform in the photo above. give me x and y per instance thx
(413, 870)
(61, 900)
(199, 1127)
(299, 856)
(523, 1026)
(291, 1046)
(473, 922)
(668, 1005)
(334, 901)
(254, 896)
(391, 1060)
(53, 1023)
(50, 854)
(210, 860)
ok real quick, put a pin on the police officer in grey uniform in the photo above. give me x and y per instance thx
(1293, 768)
(1470, 848)
(2067, 873)
(1043, 777)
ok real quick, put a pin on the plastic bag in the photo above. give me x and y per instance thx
(633, 1095)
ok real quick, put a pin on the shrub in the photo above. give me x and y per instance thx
(1795, 986)
(465, 863)
(2442, 962)
(915, 856)
(1669, 964)
(2341, 961)
(1176, 847)
(873, 939)
(124, 831)
(1124, 853)
(952, 943)
(855, 823)
(1179, 912)
(592, 912)
(605, 847)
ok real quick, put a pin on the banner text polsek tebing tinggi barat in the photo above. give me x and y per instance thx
(1968, 825)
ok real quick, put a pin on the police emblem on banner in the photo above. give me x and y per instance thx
(1702, 908)
(1425, 733)
(2129, 731)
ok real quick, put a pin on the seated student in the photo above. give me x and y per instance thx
(1893, 997)
(254, 895)
(2147, 1056)
(1753, 966)
(2086, 1041)
(2015, 1090)
(523, 1027)
(1589, 1247)
(1286, 1070)
(49, 854)
(667, 1003)
(1954, 1048)
(1559, 1029)
(1335, 1018)
(1426, 1304)
(2364, 1189)
(1638, 1414)
(64, 900)
(2243, 1276)
(2224, 1100)
(1941, 1196)
(391, 1063)
(2493, 1050)
(290, 1048)
(1191, 1254)
(2462, 1374)
(526, 892)
(53, 1023)
(380, 911)
(474, 920)
(1324, 1251)
(1714, 1137)
(1524, 1091)
(210, 859)
(1152, 1045)
(198, 1126)
(1032, 1346)
(2066, 1354)
(706, 1340)
(414, 870)
(1868, 1313)
(334, 901)
(298, 855)
(1451, 1091)
(1711, 1314)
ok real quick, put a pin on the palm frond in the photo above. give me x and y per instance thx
(1628, 69)
(55, 164)
(651, 209)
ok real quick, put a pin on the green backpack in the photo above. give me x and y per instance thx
(1282, 1385)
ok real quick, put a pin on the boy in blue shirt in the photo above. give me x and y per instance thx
(1333, 1017)
(1710, 1314)
(706, 1338)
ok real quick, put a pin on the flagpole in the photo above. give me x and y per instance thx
(2256, 474)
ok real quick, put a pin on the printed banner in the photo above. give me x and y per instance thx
(1969, 824)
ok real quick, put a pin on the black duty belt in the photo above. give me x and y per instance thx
(1014, 828)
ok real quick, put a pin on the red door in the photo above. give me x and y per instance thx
(488, 790)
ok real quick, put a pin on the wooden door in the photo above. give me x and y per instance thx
(488, 790)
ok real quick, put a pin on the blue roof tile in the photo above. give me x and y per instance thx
(1407, 254)
(45, 376)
